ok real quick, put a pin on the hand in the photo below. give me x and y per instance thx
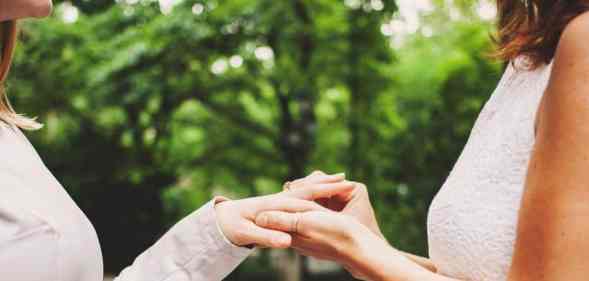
(329, 236)
(236, 218)
(354, 203)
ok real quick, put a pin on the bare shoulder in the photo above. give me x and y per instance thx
(566, 101)
(573, 41)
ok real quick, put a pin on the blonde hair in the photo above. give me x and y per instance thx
(8, 36)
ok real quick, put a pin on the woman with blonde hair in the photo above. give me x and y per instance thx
(44, 236)
(8, 34)
(514, 207)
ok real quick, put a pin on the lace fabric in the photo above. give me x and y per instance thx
(472, 220)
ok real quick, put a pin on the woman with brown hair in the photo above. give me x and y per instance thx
(516, 204)
(44, 236)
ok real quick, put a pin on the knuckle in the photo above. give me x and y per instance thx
(273, 219)
(263, 220)
(297, 184)
(294, 184)
(314, 191)
(241, 235)
(302, 224)
(303, 192)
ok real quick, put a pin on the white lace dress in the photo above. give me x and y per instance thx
(472, 220)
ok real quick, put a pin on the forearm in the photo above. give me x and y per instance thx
(396, 266)
(422, 261)
(194, 249)
(378, 261)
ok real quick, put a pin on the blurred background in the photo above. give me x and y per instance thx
(151, 108)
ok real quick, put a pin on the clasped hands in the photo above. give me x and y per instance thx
(322, 216)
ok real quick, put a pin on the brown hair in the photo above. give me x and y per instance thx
(8, 36)
(532, 28)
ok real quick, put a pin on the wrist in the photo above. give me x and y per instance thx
(358, 254)
(371, 255)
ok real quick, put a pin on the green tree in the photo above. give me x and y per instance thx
(148, 114)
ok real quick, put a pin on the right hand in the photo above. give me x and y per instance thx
(237, 218)
(332, 236)
(354, 202)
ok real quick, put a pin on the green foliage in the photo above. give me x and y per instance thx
(441, 83)
(148, 114)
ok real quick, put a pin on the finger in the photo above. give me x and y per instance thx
(279, 202)
(324, 178)
(316, 178)
(317, 172)
(318, 191)
(268, 238)
(313, 175)
(287, 186)
(286, 222)
(347, 196)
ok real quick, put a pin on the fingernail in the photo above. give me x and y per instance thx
(341, 175)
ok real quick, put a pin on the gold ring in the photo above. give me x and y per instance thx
(286, 186)
(295, 226)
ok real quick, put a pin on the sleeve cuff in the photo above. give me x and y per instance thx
(194, 249)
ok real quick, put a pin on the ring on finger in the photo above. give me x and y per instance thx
(295, 225)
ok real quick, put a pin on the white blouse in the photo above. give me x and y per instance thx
(44, 236)
(472, 220)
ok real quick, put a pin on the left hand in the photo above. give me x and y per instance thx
(236, 218)
(326, 235)
(354, 202)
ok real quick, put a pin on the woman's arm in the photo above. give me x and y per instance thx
(210, 243)
(194, 249)
(553, 225)
(341, 238)
(374, 260)
(422, 261)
